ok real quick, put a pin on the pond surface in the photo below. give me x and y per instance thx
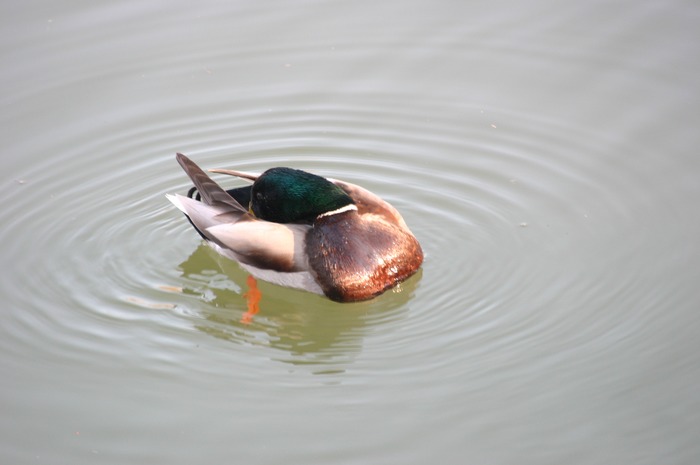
(544, 153)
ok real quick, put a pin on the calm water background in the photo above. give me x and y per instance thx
(544, 152)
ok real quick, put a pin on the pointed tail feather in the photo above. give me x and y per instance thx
(240, 174)
(212, 194)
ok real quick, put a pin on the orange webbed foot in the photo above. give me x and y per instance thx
(252, 296)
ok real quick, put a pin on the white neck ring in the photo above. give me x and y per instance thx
(344, 209)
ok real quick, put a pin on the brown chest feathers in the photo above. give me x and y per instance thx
(356, 257)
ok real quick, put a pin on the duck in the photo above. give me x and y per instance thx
(300, 230)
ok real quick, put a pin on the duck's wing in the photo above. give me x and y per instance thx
(212, 194)
(236, 234)
(265, 245)
(248, 240)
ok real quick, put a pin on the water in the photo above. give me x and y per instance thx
(544, 154)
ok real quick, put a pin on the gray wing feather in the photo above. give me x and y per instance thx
(211, 192)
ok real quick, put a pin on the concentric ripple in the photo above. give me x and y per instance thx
(513, 209)
(490, 203)
(543, 153)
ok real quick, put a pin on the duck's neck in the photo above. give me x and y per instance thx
(343, 209)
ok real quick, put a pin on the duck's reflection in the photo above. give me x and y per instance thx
(306, 328)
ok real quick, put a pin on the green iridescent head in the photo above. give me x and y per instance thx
(287, 195)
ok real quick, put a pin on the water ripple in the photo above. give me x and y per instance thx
(486, 186)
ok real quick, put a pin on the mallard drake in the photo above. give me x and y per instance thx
(300, 230)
